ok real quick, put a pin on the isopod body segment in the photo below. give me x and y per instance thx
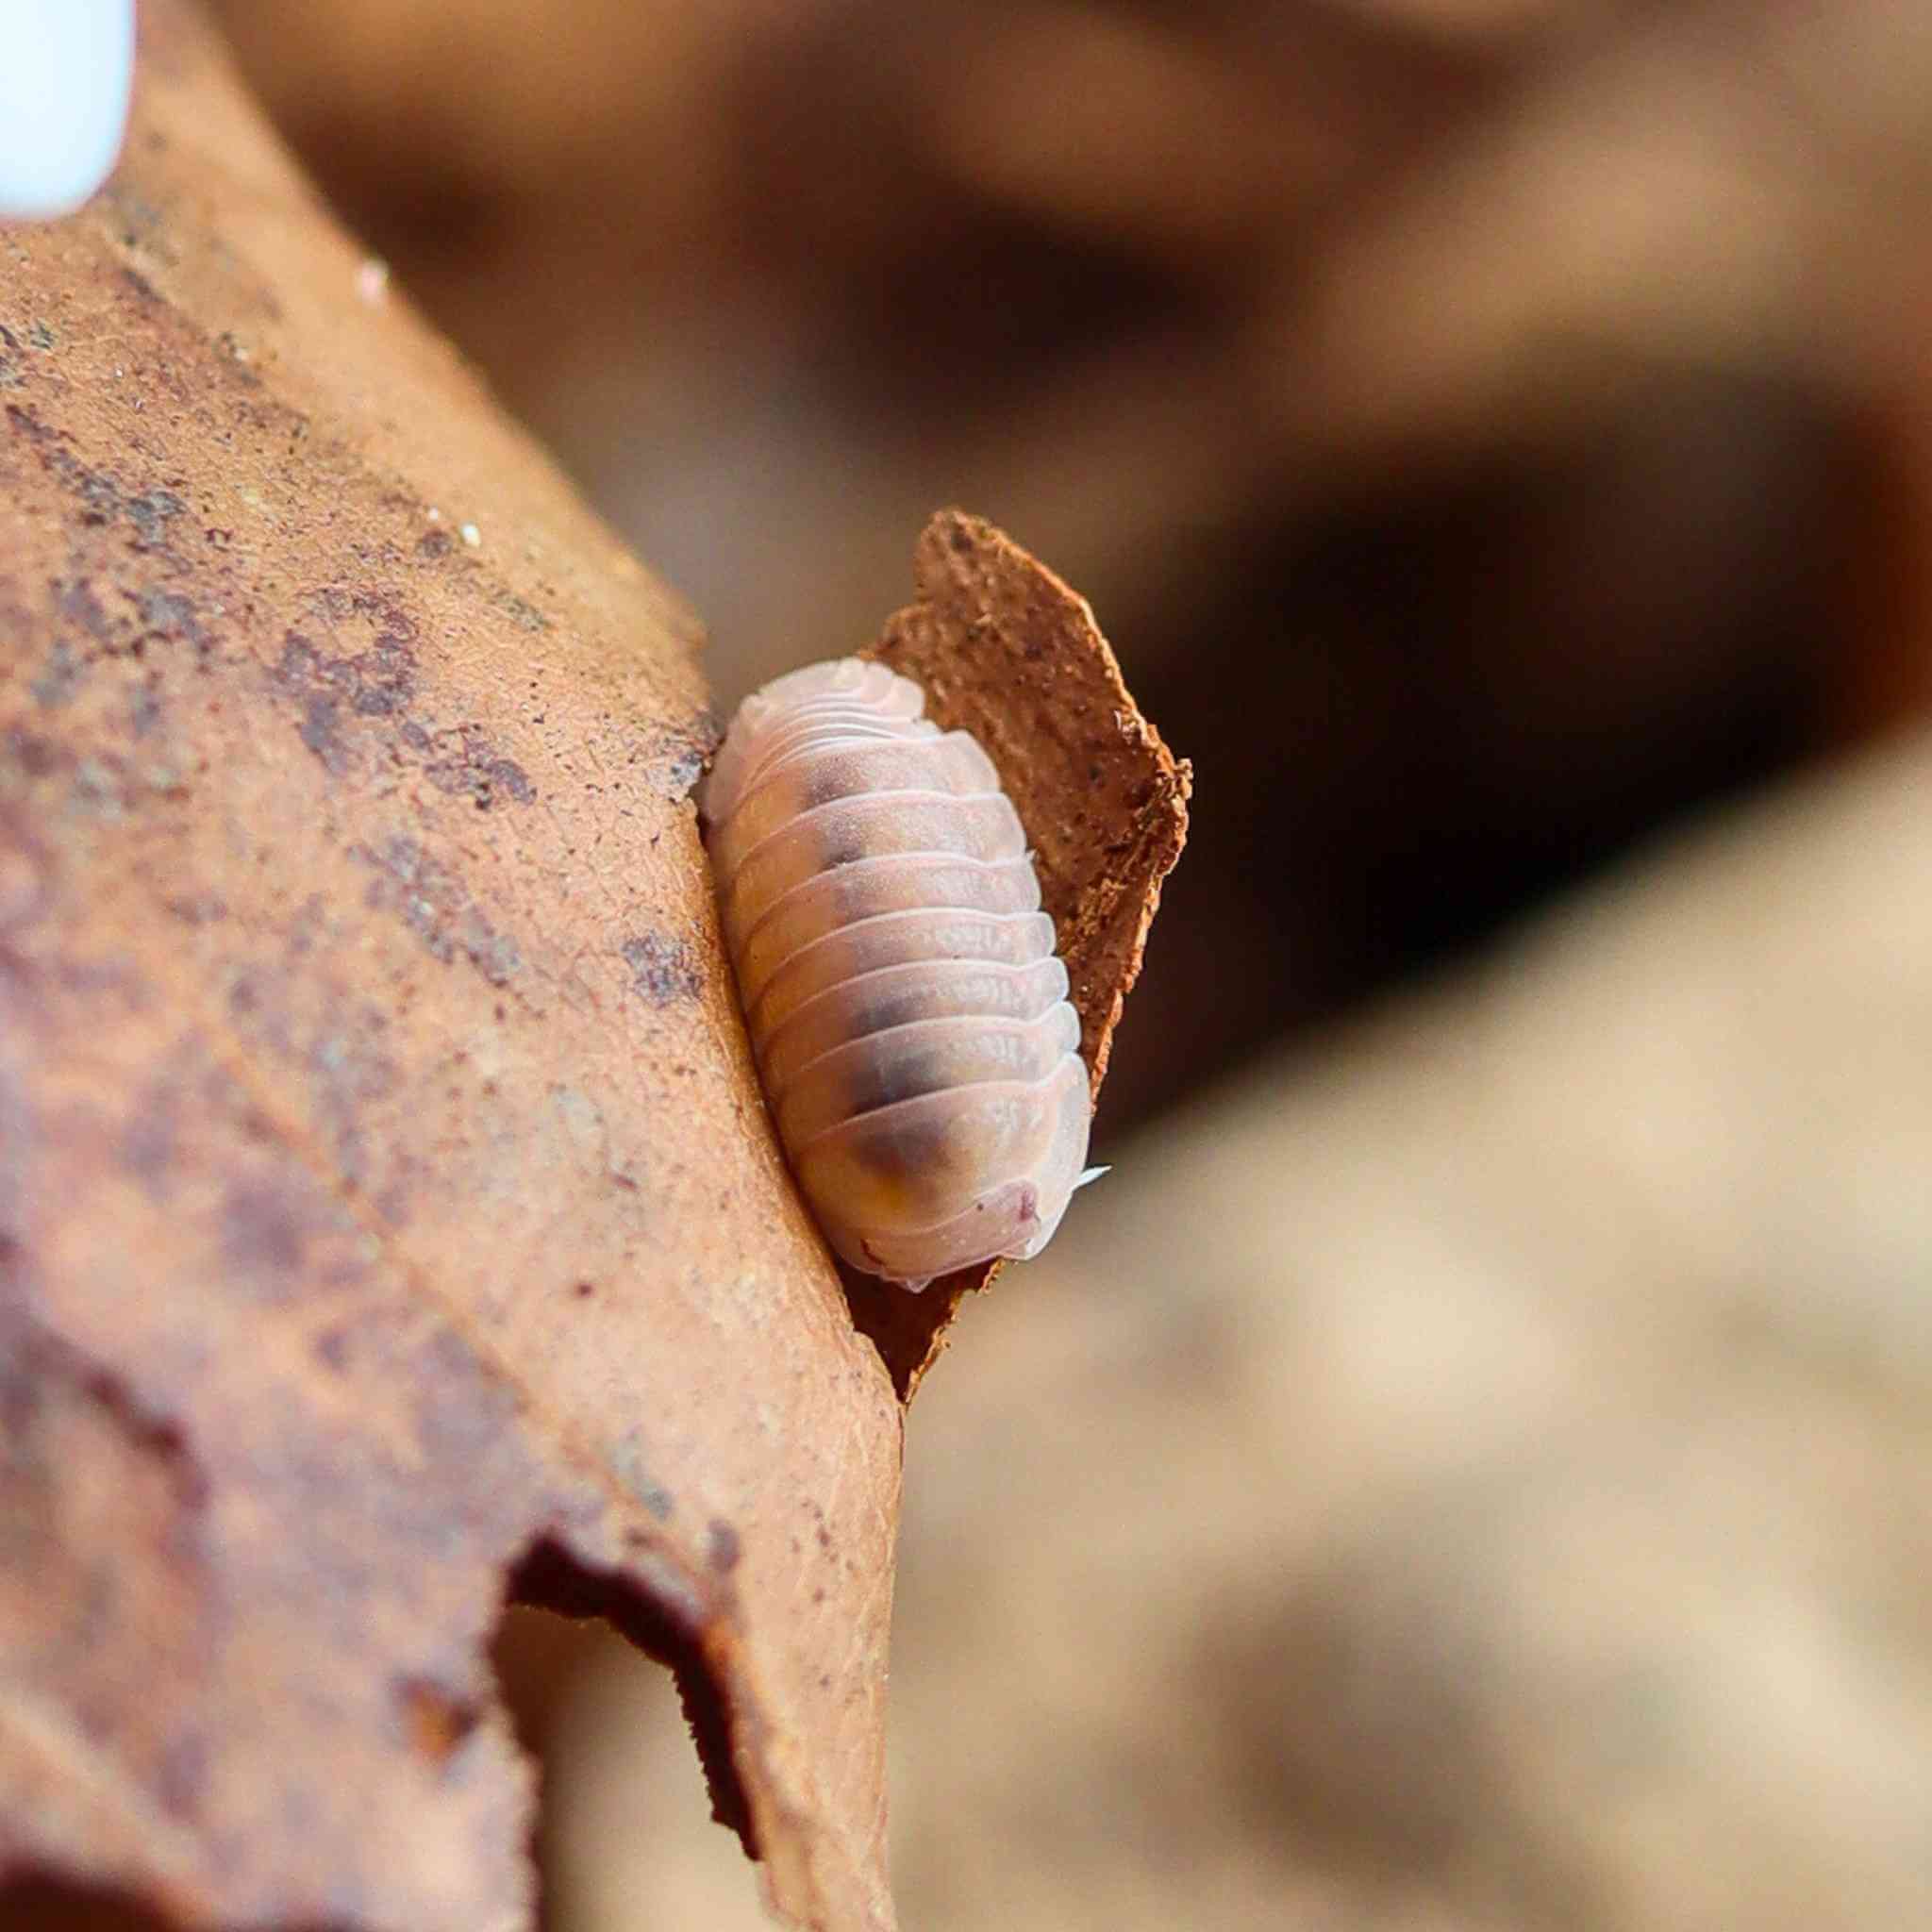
(899, 980)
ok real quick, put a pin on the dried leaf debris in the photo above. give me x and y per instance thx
(387, 1220)
(1005, 650)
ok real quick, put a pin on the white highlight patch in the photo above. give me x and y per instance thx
(66, 71)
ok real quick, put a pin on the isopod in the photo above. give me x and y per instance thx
(900, 984)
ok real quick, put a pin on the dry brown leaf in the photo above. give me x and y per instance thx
(385, 1208)
(388, 1220)
(1005, 650)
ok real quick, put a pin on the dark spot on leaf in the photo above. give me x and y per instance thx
(181, 1773)
(151, 512)
(148, 1142)
(76, 603)
(48, 1361)
(393, 1203)
(433, 903)
(677, 760)
(102, 497)
(197, 909)
(679, 771)
(521, 611)
(376, 683)
(32, 755)
(262, 1231)
(466, 764)
(663, 970)
(318, 734)
(59, 678)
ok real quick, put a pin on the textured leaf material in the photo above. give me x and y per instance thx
(1006, 651)
(389, 1223)
(386, 1206)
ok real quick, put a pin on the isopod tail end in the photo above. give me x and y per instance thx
(870, 1261)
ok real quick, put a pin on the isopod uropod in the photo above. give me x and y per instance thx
(899, 980)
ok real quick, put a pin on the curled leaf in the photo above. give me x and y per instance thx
(1005, 650)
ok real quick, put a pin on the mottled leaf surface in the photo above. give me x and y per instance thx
(387, 1215)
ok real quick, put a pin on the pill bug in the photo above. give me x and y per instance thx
(899, 980)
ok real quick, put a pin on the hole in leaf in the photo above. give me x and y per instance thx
(623, 1834)
(606, 1695)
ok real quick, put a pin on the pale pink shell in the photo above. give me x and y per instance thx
(909, 1018)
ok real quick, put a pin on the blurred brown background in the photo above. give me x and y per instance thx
(1468, 1467)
